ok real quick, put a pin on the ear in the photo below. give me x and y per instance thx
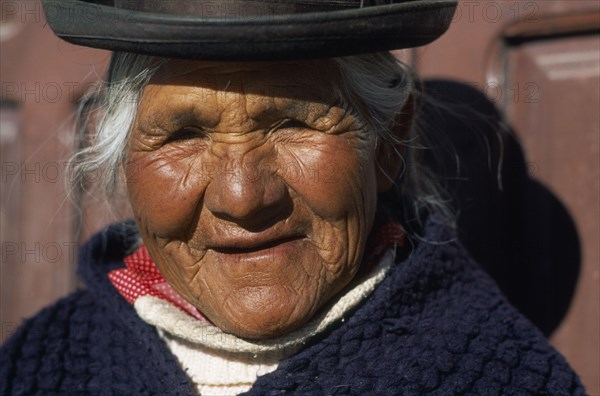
(390, 157)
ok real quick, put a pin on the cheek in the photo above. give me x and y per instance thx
(334, 178)
(164, 191)
(339, 190)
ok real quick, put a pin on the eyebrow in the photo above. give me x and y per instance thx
(187, 107)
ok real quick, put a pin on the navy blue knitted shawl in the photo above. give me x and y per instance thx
(436, 325)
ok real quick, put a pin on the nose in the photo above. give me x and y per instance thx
(247, 191)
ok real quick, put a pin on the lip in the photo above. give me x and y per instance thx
(264, 253)
(244, 246)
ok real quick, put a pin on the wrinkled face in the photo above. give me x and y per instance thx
(252, 188)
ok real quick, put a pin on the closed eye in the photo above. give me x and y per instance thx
(289, 123)
(186, 133)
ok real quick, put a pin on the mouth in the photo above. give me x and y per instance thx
(248, 247)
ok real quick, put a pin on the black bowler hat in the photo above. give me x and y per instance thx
(249, 29)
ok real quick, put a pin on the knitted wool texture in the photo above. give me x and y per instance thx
(436, 325)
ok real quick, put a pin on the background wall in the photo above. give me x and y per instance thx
(539, 61)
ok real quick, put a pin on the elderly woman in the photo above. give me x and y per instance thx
(267, 255)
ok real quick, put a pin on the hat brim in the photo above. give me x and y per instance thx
(267, 37)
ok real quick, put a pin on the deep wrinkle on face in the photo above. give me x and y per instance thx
(253, 189)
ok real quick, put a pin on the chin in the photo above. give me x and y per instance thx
(264, 312)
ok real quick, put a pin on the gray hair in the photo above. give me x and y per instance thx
(375, 86)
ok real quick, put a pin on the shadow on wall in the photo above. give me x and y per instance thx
(513, 226)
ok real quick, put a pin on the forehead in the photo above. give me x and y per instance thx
(250, 89)
(301, 80)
